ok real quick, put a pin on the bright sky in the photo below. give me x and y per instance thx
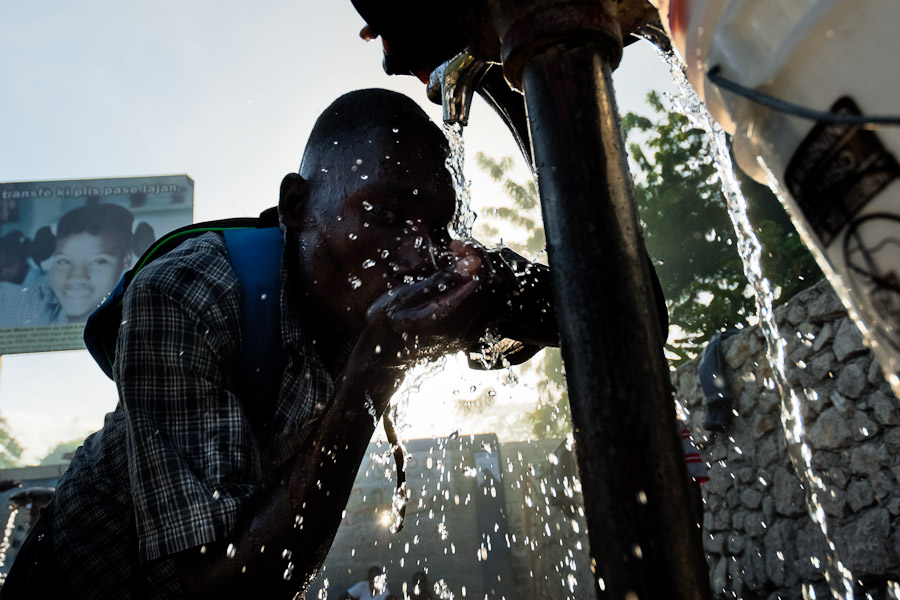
(226, 92)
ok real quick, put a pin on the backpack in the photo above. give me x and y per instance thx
(255, 247)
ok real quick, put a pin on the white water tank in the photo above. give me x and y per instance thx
(840, 181)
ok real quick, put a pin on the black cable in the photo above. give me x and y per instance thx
(869, 121)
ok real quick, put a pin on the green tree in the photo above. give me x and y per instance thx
(10, 449)
(58, 454)
(688, 235)
(550, 418)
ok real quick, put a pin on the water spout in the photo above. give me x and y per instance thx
(453, 85)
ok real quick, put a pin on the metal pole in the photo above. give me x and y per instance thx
(644, 542)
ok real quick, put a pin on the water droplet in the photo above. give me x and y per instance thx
(385, 254)
(363, 177)
(355, 282)
(378, 349)
(418, 242)
(216, 495)
(415, 192)
(263, 296)
(367, 205)
(231, 551)
(395, 130)
(286, 554)
(352, 236)
(642, 497)
(359, 161)
(368, 263)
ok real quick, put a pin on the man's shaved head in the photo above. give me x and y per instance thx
(354, 118)
(371, 205)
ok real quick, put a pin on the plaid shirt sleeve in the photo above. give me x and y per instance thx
(192, 459)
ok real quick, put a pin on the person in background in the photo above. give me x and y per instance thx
(373, 588)
(419, 588)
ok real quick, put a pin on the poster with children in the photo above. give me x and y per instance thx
(65, 244)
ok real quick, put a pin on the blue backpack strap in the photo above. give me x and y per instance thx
(102, 327)
(255, 255)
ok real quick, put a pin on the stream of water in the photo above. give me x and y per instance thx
(839, 577)
(464, 219)
(7, 540)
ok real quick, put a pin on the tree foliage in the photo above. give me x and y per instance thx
(58, 454)
(550, 418)
(688, 235)
(10, 449)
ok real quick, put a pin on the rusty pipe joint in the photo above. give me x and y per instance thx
(529, 27)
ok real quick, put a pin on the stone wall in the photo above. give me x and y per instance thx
(758, 534)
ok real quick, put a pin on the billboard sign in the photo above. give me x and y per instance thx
(65, 244)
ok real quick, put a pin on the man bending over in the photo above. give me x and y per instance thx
(191, 491)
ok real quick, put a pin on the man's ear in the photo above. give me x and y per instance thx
(292, 201)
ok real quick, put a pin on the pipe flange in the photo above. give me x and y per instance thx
(566, 23)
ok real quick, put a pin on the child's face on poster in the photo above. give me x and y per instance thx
(84, 268)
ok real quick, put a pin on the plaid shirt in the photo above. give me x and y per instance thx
(177, 460)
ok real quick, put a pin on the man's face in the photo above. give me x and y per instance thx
(376, 217)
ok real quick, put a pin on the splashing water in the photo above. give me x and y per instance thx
(750, 251)
(4, 545)
(464, 218)
(442, 590)
(398, 504)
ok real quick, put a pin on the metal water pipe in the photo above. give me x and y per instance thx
(644, 541)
